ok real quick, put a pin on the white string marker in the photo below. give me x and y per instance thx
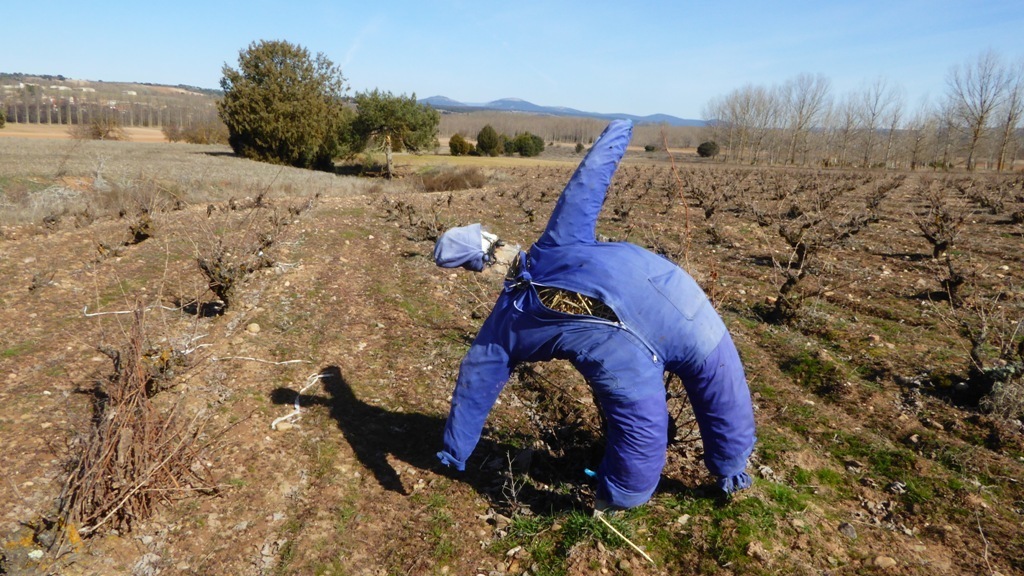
(296, 413)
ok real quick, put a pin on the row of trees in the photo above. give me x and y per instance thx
(130, 105)
(566, 129)
(68, 112)
(189, 117)
(801, 122)
(283, 106)
(491, 143)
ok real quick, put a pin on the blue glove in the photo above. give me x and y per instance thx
(730, 484)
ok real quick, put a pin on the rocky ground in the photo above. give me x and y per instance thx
(867, 462)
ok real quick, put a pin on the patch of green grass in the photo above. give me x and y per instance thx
(887, 329)
(424, 310)
(890, 463)
(17, 350)
(336, 567)
(733, 527)
(829, 477)
(122, 292)
(439, 534)
(771, 445)
(813, 372)
(355, 211)
(800, 417)
(766, 391)
(747, 322)
(803, 477)
(290, 529)
(529, 526)
(324, 454)
(534, 534)
(787, 499)
(344, 514)
(722, 531)
(580, 527)
(955, 484)
(893, 463)
(548, 539)
(919, 490)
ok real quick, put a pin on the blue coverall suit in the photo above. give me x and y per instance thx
(665, 323)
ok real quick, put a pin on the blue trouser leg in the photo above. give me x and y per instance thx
(635, 454)
(718, 391)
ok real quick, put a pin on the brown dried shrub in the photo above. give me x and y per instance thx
(135, 454)
(448, 179)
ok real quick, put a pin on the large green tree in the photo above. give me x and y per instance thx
(459, 146)
(527, 144)
(489, 142)
(393, 123)
(283, 106)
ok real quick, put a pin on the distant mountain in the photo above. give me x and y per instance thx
(441, 102)
(520, 105)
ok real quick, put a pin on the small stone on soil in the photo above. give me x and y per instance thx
(885, 562)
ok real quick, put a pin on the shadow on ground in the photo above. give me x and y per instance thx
(496, 470)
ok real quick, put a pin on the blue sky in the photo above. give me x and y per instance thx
(629, 57)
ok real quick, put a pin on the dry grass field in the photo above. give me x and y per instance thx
(58, 132)
(881, 450)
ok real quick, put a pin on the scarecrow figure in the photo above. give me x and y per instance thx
(622, 316)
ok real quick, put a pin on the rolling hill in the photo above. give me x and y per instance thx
(519, 105)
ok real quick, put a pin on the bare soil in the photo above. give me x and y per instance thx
(867, 463)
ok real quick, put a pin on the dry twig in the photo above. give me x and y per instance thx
(135, 453)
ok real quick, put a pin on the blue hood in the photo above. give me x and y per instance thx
(461, 247)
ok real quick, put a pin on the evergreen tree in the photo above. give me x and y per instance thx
(459, 146)
(283, 106)
(707, 149)
(489, 142)
(527, 144)
(394, 123)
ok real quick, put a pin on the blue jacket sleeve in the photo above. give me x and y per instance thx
(574, 219)
(483, 373)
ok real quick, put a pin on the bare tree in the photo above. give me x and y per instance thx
(875, 104)
(976, 89)
(717, 126)
(806, 98)
(946, 132)
(734, 115)
(919, 132)
(845, 124)
(893, 118)
(766, 108)
(740, 114)
(1009, 114)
